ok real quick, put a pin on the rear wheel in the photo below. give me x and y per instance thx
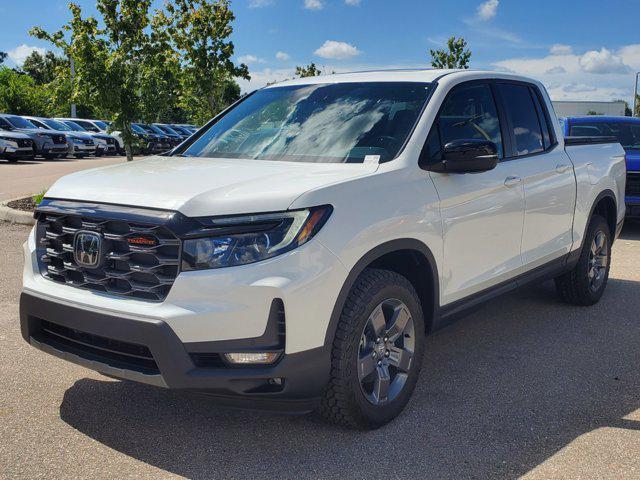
(585, 284)
(377, 351)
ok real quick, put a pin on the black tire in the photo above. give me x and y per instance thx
(12, 160)
(79, 156)
(344, 401)
(577, 287)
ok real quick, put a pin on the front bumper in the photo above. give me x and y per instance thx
(25, 153)
(96, 341)
(54, 149)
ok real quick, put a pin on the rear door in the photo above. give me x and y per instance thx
(546, 172)
(482, 213)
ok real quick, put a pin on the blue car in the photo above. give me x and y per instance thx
(627, 131)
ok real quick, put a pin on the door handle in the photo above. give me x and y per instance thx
(512, 181)
(562, 168)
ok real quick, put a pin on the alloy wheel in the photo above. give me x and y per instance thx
(598, 260)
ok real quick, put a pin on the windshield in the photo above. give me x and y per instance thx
(101, 125)
(627, 133)
(55, 125)
(330, 123)
(167, 129)
(19, 122)
(137, 128)
(74, 126)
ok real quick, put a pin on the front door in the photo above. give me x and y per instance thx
(482, 213)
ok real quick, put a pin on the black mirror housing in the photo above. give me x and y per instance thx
(467, 156)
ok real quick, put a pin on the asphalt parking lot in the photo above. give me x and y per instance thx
(33, 176)
(524, 387)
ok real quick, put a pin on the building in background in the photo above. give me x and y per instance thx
(565, 108)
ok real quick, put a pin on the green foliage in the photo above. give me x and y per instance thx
(308, 71)
(108, 60)
(456, 55)
(3, 57)
(44, 68)
(200, 31)
(20, 95)
(637, 106)
(37, 198)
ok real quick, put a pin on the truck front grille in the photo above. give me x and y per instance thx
(134, 258)
(633, 184)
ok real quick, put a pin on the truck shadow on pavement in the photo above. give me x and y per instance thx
(501, 391)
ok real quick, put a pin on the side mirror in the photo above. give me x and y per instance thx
(467, 156)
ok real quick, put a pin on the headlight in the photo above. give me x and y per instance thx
(251, 238)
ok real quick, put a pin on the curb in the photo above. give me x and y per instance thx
(12, 215)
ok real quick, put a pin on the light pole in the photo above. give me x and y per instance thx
(73, 77)
(635, 97)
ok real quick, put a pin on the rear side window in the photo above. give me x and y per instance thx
(469, 112)
(521, 110)
(627, 133)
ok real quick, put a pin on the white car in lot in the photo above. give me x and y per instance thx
(296, 251)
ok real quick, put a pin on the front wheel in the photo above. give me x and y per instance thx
(585, 284)
(377, 351)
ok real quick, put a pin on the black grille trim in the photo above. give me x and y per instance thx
(633, 184)
(118, 354)
(142, 272)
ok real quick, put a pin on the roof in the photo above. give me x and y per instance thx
(603, 119)
(407, 75)
(426, 75)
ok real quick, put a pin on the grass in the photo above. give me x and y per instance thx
(37, 198)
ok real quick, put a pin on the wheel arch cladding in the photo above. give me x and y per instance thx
(605, 206)
(408, 257)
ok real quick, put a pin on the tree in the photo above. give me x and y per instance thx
(108, 59)
(3, 57)
(19, 95)
(44, 68)
(308, 71)
(454, 56)
(200, 31)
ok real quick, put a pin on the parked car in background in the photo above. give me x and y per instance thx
(296, 252)
(80, 144)
(16, 146)
(627, 131)
(172, 132)
(155, 142)
(169, 140)
(47, 143)
(184, 131)
(108, 142)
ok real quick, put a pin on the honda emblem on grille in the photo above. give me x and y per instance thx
(87, 249)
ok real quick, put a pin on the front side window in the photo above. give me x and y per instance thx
(330, 123)
(468, 112)
(627, 133)
(521, 110)
(19, 122)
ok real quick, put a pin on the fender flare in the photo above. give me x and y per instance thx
(366, 260)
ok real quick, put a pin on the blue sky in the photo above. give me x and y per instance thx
(580, 49)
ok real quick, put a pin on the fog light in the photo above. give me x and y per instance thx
(252, 358)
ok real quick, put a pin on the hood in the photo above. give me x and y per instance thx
(103, 136)
(204, 186)
(13, 135)
(633, 159)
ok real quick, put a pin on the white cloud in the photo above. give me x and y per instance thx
(566, 78)
(603, 61)
(337, 50)
(283, 56)
(630, 55)
(487, 10)
(250, 59)
(260, 3)
(353, 3)
(558, 69)
(20, 53)
(313, 4)
(560, 49)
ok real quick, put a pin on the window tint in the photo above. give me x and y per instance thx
(522, 112)
(469, 112)
(546, 128)
(627, 133)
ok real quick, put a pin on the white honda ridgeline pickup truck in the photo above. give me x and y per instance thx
(294, 253)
